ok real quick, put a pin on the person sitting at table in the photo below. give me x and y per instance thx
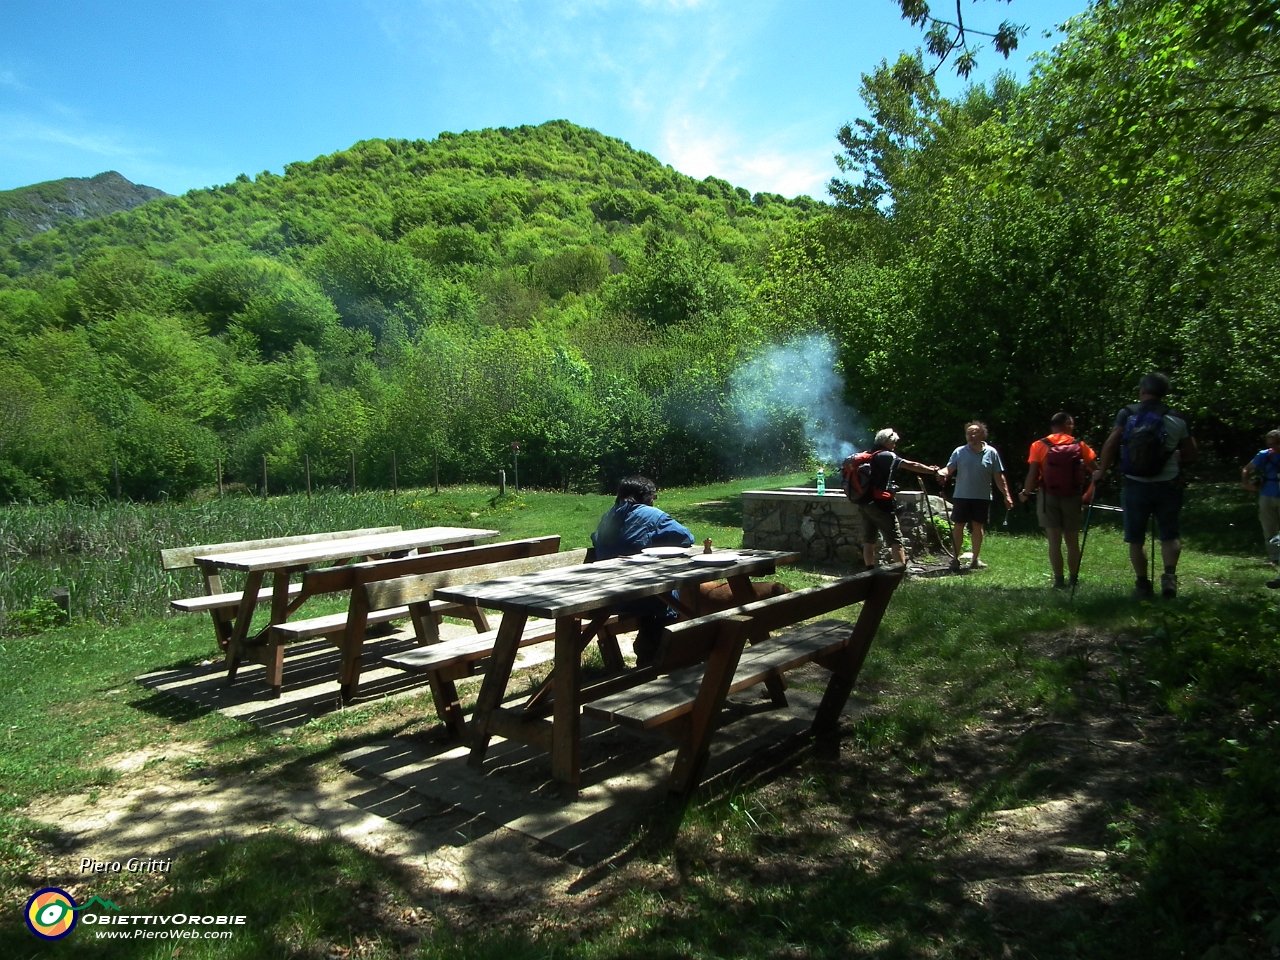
(633, 523)
(630, 525)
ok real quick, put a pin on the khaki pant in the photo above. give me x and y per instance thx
(1269, 514)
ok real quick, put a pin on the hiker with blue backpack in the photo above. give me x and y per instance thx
(1154, 444)
(869, 481)
(1058, 476)
(1262, 476)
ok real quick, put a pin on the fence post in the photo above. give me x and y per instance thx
(62, 597)
(502, 483)
(219, 478)
(435, 461)
(306, 468)
(353, 471)
(115, 469)
(395, 488)
(265, 493)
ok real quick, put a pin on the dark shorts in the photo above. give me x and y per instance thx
(1143, 500)
(886, 521)
(971, 511)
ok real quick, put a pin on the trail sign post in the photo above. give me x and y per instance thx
(515, 457)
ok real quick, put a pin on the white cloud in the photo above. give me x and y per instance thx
(694, 146)
(23, 129)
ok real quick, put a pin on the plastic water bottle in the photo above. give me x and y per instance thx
(822, 482)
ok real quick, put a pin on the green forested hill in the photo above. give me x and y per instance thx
(1015, 251)
(548, 285)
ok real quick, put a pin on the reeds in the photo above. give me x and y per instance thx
(108, 552)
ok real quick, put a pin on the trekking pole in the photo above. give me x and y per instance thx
(1151, 556)
(928, 509)
(1084, 542)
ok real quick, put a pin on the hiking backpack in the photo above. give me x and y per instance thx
(1143, 454)
(855, 474)
(1269, 472)
(1062, 473)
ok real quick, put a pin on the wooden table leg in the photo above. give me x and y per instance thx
(566, 716)
(850, 660)
(223, 623)
(244, 617)
(505, 647)
(351, 644)
(274, 659)
(744, 594)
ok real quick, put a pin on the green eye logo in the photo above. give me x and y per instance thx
(51, 913)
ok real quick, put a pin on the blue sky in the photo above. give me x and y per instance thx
(180, 95)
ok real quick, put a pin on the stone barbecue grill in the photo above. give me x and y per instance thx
(826, 527)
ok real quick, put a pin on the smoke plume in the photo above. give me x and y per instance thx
(799, 378)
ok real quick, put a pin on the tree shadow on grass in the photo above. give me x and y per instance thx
(297, 896)
(716, 513)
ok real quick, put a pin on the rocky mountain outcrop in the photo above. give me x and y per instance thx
(27, 211)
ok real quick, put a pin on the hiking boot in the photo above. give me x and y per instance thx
(1059, 583)
(1274, 584)
(1142, 590)
(1168, 585)
(955, 565)
(977, 564)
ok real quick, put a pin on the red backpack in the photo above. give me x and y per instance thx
(1062, 473)
(856, 475)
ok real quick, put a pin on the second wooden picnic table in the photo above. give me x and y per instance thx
(591, 591)
(283, 562)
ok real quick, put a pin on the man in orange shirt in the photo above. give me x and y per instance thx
(1058, 473)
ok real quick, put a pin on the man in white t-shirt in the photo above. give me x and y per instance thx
(976, 465)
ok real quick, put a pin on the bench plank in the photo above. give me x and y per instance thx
(225, 601)
(667, 697)
(436, 656)
(414, 589)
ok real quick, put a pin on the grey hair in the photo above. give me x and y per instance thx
(886, 436)
(1272, 436)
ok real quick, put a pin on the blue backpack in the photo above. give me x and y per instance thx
(1143, 454)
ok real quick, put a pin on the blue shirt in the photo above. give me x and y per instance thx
(975, 471)
(630, 527)
(1269, 464)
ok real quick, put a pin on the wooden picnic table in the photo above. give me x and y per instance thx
(568, 596)
(283, 562)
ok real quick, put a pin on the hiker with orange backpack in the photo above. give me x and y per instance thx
(869, 482)
(1058, 472)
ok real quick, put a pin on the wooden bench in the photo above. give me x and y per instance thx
(703, 661)
(221, 605)
(445, 662)
(348, 630)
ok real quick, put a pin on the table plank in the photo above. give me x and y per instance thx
(577, 590)
(275, 558)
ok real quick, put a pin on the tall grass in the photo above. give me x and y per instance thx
(108, 552)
